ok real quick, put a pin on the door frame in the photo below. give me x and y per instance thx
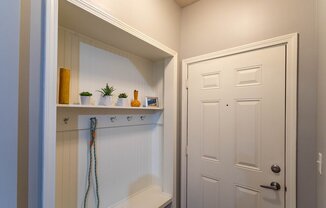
(291, 43)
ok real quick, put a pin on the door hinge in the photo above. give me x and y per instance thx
(186, 151)
(187, 84)
(285, 188)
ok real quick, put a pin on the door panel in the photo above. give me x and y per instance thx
(210, 142)
(248, 134)
(210, 189)
(246, 197)
(236, 126)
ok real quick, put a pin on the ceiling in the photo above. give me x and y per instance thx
(184, 3)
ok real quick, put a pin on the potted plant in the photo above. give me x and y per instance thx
(122, 100)
(85, 98)
(106, 98)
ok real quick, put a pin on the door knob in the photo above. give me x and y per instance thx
(276, 169)
(274, 186)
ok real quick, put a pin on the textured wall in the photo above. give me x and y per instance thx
(211, 25)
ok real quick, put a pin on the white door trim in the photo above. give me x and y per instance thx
(291, 43)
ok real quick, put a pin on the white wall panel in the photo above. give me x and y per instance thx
(98, 67)
(124, 162)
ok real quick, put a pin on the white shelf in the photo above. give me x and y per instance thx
(106, 107)
(92, 21)
(151, 197)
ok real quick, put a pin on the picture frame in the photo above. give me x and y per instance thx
(151, 102)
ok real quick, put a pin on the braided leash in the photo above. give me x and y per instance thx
(92, 148)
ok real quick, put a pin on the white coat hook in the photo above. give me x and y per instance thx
(142, 118)
(129, 118)
(113, 119)
(66, 120)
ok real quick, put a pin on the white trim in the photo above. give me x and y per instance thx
(49, 104)
(49, 95)
(291, 42)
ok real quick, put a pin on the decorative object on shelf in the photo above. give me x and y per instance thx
(106, 98)
(123, 100)
(85, 98)
(151, 102)
(135, 102)
(64, 86)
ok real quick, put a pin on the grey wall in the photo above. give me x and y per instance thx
(321, 121)
(9, 59)
(211, 25)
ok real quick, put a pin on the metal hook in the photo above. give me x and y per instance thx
(66, 120)
(113, 119)
(129, 118)
(142, 118)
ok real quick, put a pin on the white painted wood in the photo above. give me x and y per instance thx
(98, 67)
(100, 25)
(236, 129)
(93, 64)
(126, 42)
(49, 104)
(107, 107)
(124, 162)
(66, 169)
(291, 120)
(68, 57)
(113, 136)
(170, 128)
(80, 121)
(148, 198)
(290, 41)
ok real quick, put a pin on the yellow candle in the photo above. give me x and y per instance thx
(64, 86)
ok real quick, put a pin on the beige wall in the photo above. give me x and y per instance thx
(321, 101)
(211, 25)
(159, 19)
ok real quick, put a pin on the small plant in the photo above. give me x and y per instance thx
(85, 94)
(123, 95)
(107, 91)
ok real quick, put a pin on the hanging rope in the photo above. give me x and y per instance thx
(92, 148)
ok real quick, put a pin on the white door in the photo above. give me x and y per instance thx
(236, 131)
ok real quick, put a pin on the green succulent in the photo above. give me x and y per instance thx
(85, 94)
(123, 95)
(107, 91)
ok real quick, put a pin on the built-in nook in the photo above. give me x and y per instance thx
(135, 146)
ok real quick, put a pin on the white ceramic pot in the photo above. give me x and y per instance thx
(123, 102)
(85, 100)
(106, 100)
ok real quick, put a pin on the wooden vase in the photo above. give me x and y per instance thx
(135, 102)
